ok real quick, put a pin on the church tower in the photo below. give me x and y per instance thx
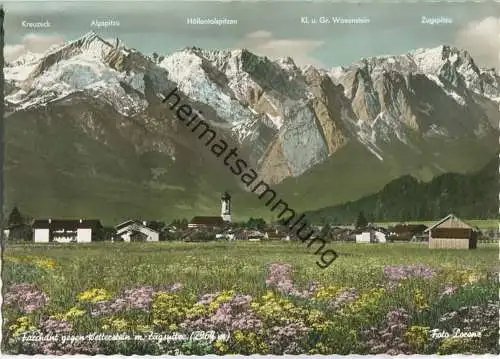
(225, 212)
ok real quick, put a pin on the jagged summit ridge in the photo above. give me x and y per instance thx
(449, 67)
(88, 64)
(288, 118)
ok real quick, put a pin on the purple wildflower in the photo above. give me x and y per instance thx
(231, 315)
(135, 298)
(473, 318)
(279, 278)
(207, 298)
(55, 326)
(344, 296)
(407, 271)
(26, 297)
(285, 339)
(138, 298)
(447, 289)
(388, 336)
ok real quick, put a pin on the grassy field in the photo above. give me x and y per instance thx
(365, 284)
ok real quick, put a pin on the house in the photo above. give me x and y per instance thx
(206, 222)
(249, 235)
(452, 232)
(371, 236)
(379, 237)
(137, 231)
(254, 235)
(407, 231)
(65, 230)
(228, 236)
(277, 235)
(363, 237)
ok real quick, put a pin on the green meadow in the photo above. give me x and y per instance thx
(223, 265)
(379, 279)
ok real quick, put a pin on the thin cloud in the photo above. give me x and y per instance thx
(300, 50)
(34, 43)
(482, 40)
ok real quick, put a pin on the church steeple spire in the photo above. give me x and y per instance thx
(226, 207)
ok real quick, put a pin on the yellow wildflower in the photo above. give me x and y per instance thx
(94, 295)
(320, 348)
(46, 263)
(21, 325)
(250, 342)
(453, 345)
(367, 301)
(196, 310)
(417, 336)
(119, 323)
(168, 309)
(74, 312)
(222, 297)
(221, 347)
(315, 316)
(326, 292)
(419, 299)
(115, 324)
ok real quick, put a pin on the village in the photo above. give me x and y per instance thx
(448, 232)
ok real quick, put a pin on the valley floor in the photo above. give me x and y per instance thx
(270, 297)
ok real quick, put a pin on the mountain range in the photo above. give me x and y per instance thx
(87, 135)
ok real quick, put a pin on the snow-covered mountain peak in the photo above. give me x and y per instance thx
(446, 65)
(88, 64)
(422, 60)
(432, 60)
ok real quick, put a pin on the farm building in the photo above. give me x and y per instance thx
(277, 235)
(206, 222)
(134, 230)
(452, 232)
(65, 230)
(371, 237)
(407, 231)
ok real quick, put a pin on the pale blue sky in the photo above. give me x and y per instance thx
(161, 26)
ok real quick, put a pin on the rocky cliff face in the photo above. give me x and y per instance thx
(286, 120)
(309, 114)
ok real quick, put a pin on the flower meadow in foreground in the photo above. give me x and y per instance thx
(399, 315)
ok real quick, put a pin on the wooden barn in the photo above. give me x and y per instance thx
(452, 232)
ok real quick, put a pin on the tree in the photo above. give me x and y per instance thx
(15, 217)
(104, 234)
(156, 225)
(361, 221)
(256, 223)
(180, 223)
